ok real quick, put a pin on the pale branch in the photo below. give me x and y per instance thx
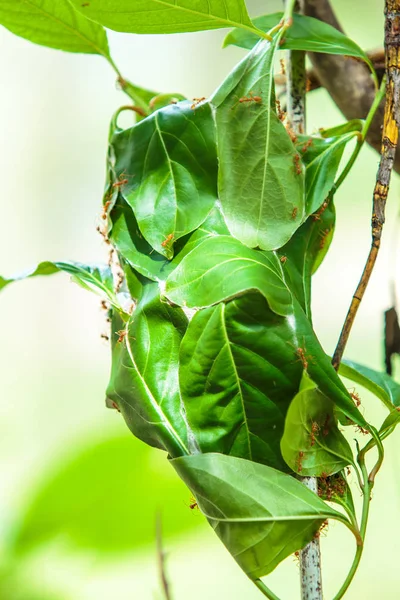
(390, 136)
(348, 81)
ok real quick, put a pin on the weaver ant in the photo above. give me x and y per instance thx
(197, 101)
(167, 240)
(294, 213)
(297, 164)
(248, 99)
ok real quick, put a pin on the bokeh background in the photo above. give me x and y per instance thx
(79, 496)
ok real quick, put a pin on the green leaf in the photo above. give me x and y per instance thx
(305, 251)
(380, 384)
(95, 278)
(54, 24)
(389, 424)
(238, 377)
(312, 444)
(306, 33)
(166, 16)
(321, 158)
(220, 268)
(261, 179)
(89, 499)
(166, 169)
(337, 130)
(260, 514)
(144, 382)
(126, 237)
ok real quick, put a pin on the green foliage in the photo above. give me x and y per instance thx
(54, 24)
(218, 220)
(260, 514)
(261, 179)
(312, 444)
(166, 16)
(169, 164)
(306, 33)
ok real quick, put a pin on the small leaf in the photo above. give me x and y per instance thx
(54, 24)
(87, 500)
(166, 16)
(144, 375)
(312, 444)
(321, 158)
(337, 130)
(261, 178)
(166, 168)
(220, 268)
(380, 384)
(306, 33)
(95, 278)
(389, 424)
(260, 514)
(238, 377)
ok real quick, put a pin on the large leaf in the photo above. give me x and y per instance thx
(144, 382)
(95, 278)
(88, 500)
(380, 384)
(220, 268)
(304, 252)
(166, 16)
(167, 168)
(237, 377)
(260, 514)
(55, 24)
(306, 33)
(312, 444)
(126, 237)
(322, 158)
(261, 179)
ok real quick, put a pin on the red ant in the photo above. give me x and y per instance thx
(299, 462)
(280, 112)
(307, 144)
(115, 405)
(315, 429)
(167, 240)
(323, 235)
(105, 337)
(283, 68)
(297, 164)
(197, 101)
(122, 335)
(283, 259)
(294, 213)
(325, 426)
(317, 216)
(291, 133)
(193, 504)
(250, 98)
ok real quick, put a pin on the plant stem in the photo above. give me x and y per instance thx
(265, 590)
(310, 556)
(361, 139)
(367, 488)
(389, 142)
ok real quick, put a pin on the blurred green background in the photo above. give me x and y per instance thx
(78, 494)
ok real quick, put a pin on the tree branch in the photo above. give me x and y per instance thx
(348, 81)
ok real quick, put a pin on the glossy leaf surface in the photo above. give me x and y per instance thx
(220, 268)
(166, 169)
(144, 382)
(166, 16)
(322, 159)
(260, 514)
(312, 444)
(238, 377)
(87, 499)
(261, 179)
(55, 24)
(380, 384)
(126, 237)
(306, 33)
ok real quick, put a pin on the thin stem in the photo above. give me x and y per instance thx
(265, 590)
(388, 150)
(367, 487)
(362, 137)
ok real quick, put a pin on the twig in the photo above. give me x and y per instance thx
(389, 143)
(347, 81)
(161, 560)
